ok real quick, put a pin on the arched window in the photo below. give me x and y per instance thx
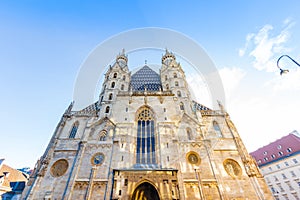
(113, 85)
(217, 129)
(110, 96)
(166, 77)
(167, 86)
(74, 130)
(124, 78)
(102, 135)
(175, 75)
(145, 140)
(107, 109)
(115, 75)
(176, 83)
(189, 133)
(181, 106)
(178, 93)
(122, 87)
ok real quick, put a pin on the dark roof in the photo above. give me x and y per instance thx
(279, 149)
(145, 78)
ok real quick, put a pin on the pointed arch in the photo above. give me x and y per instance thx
(110, 96)
(102, 135)
(178, 93)
(115, 75)
(145, 190)
(107, 109)
(113, 85)
(189, 133)
(181, 106)
(145, 140)
(217, 129)
(124, 77)
(175, 75)
(74, 130)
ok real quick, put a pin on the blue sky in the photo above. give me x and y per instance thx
(43, 44)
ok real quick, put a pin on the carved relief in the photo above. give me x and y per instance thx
(232, 168)
(59, 168)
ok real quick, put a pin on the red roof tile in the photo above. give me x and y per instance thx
(281, 148)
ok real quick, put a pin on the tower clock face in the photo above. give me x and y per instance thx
(97, 159)
(59, 168)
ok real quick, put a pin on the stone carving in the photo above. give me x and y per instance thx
(232, 168)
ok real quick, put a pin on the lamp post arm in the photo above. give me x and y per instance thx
(282, 71)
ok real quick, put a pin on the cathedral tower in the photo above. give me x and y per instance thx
(146, 138)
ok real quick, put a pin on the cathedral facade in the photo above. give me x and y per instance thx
(146, 138)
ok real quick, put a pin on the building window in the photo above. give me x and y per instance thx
(175, 75)
(113, 85)
(181, 106)
(275, 178)
(286, 163)
(110, 96)
(293, 174)
(270, 168)
(189, 133)
(265, 159)
(265, 153)
(176, 83)
(74, 130)
(126, 182)
(115, 75)
(178, 93)
(124, 78)
(278, 166)
(107, 109)
(280, 187)
(289, 150)
(295, 161)
(145, 141)
(102, 136)
(166, 77)
(165, 109)
(290, 186)
(273, 156)
(279, 147)
(120, 192)
(217, 129)
(101, 99)
(284, 176)
(280, 153)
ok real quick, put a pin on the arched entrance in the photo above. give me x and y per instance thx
(145, 191)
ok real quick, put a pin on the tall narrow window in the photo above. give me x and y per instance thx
(101, 99)
(176, 83)
(166, 77)
(115, 75)
(110, 96)
(107, 109)
(175, 75)
(122, 87)
(181, 106)
(189, 134)
(178, 93)
(145, 140)
(217, 129)
(113, 85)
(102, 135)
(167, 86)
(74, 130)
(124, 78)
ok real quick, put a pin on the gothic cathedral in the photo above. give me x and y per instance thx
(146, 139)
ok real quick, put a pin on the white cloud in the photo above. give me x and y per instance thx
(231, 78)
(265, 46)
(290, 81)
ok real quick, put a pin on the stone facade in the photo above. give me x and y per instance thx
(146, 137)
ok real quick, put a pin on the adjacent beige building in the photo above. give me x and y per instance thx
(279, 162)
(146, 138)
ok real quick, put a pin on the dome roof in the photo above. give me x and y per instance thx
(145, 78)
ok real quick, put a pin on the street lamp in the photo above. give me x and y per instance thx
(284, 71)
